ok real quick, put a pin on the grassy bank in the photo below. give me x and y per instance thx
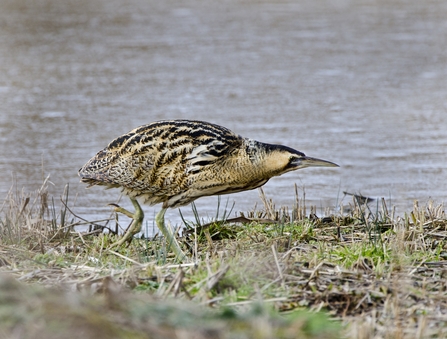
(281, 273)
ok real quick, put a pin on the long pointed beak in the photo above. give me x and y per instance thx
(312, 162)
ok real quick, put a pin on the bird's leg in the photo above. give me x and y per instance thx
(135, 226)
(169, 235)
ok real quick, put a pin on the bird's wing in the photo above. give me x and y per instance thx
(206, 154)
(160, 156)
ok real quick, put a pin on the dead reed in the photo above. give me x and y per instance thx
(381, 275)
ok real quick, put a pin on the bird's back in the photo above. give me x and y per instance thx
(172, 161)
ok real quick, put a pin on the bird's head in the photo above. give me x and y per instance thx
(282, 159)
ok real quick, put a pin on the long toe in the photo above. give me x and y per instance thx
(134, 227)
(172, 242)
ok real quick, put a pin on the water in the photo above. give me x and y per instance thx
(360, 83)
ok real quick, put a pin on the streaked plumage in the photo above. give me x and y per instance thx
(174, 162)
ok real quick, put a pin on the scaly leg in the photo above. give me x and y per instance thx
(170, 238)
(135, 226)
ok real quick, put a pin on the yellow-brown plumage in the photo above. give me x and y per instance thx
(174, 162)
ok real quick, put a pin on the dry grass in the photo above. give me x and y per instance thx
(382, 276)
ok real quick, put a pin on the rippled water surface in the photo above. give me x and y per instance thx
(361, 83)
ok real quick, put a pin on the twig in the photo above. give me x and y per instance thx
(277, 265)
(124, 257)
(85, 220)
(248, 302)
(216, 277)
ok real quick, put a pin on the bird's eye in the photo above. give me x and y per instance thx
(290, 162)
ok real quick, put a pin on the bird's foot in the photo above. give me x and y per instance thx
(134, 227)
(124, 239)
(118, 209)
(172, 242)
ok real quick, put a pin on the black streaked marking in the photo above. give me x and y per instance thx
(271, 148)
(203, 163)
(118, 141)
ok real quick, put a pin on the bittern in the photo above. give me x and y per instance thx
(175, 162)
